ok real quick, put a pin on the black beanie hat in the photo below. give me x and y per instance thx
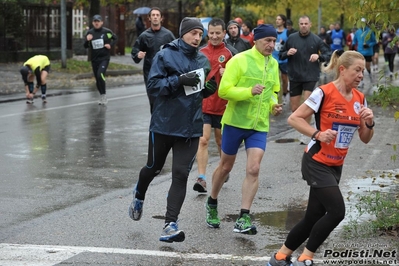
(264, 30)
(190, 23)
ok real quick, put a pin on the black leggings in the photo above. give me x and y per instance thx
(184, 152)
(326, 209)
(99, 69)
(391, 59)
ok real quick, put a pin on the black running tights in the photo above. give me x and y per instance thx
(326, 209)
(99, 69)
(184, 152)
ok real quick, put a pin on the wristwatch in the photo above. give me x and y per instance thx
(370, 126)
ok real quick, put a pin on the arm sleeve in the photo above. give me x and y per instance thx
(282, 55)
(114, 38)
(354, 40)
(137, 48)
(276, 90)
(86, 44)
(160, 82)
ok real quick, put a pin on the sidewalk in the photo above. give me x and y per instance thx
(12, 88)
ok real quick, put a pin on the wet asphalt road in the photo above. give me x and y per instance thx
(67, 170)
(71, 155)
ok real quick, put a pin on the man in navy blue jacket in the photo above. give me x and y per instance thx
(176, 86)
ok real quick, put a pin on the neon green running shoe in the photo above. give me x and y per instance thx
(212, 219)
(244, 226)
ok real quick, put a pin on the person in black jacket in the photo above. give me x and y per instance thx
(177, 83)
(304, 50)
(233, 31)
(325, 36)
(99, 40)
(150, 42)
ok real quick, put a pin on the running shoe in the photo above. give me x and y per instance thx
(100, 102)
(244, 226)
(303, 263)
(104, 99)
(212, 219)
(274, 262)
(29, 100)
(44, 98)
(136, 207)
(171, 233)
(200, 185)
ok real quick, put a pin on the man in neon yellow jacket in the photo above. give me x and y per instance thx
(251, 84)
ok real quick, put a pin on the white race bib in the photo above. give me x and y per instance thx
(195, 89)
(344, 136)
(97, 44)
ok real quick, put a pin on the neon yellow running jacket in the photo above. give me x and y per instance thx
(242, 72)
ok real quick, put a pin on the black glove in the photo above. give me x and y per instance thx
(189, 79)
(366, 45)
(211, 85)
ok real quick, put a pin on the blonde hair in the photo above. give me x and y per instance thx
(346, 59)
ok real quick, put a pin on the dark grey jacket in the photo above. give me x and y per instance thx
(300, 69)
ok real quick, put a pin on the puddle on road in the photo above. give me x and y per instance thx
(383, 181)
(282, 220)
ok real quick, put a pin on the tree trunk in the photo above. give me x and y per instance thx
(227, 11)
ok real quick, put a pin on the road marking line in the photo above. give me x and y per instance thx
(46, 254)
(72, 105)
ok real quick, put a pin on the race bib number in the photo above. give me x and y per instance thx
(195, 89)
(278, 46)
(337, 41)
(344, 136)
(97, 44)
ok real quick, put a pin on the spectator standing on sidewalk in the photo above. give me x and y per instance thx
(37, 66)
(251, 85)
(304, 51)
(176, 121)
(149, 43)
(323, 158)
(218, 54)
(100, 40)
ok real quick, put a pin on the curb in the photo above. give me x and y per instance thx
(112, 73)
(127, 79)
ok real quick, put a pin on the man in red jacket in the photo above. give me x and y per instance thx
(218, 54)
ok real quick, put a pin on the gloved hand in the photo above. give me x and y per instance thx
(189, 79)
(211, 85)
(366, 45)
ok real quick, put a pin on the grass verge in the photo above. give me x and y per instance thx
(79, 66)
(382, 212)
